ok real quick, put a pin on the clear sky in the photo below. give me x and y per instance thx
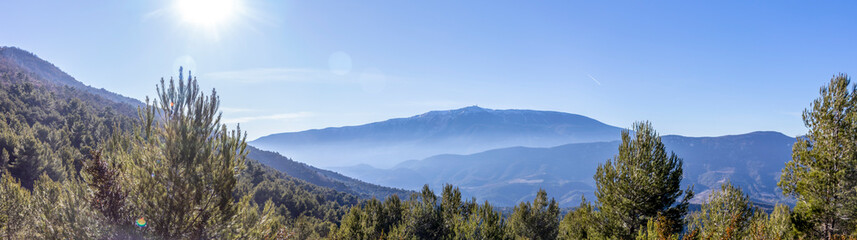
(695, 68)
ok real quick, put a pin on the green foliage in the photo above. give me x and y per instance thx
(482, 223)
(371, 221)
(59, 211)
(778, 225)
(251, 222)
(422, 217)
(292, 197)
(581, 223)
(726, 214)
(50, 130)
(182, 166)
(639, 183)
(106, 193)
(539, 220)
(14, 202)
(822, 174)
(658, 228)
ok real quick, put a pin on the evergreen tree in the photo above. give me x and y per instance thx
(539, 220)
(726, 214)
(658, 228)
(182, 163)
(451, 209)
(251, 222)
(14, 202)
(581, 223)
(822, 174)
(426, 221)
(488, 223)
(107, 196)
(778, 225)
(421, 217)
(639, 183)
(59, 210)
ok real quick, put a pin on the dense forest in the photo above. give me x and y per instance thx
(74, 165)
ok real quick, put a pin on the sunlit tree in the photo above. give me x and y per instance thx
(181, 164)
(822, 174)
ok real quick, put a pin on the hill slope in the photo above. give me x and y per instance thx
(36, 91)
(460, 131)
(29, 62)
(323, 178)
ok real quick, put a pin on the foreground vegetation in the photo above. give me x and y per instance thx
(73, 170)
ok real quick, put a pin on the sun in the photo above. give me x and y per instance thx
(207, 13)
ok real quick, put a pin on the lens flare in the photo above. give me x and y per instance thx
(141, 222)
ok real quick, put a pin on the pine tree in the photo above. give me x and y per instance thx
(14, 202)
(822, 174)
(581, 223)
(490, 223)
(658, 228)
(639, 183)
(726, 214)
(59, 210)
(778, 225)
(536, 220)
(426, 221)
(251, 222)
(106, 195)
(181, 164)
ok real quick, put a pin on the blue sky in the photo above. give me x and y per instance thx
(691, 67)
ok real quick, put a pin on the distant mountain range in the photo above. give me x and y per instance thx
(509, 175)
(461, 131)
(505, 156)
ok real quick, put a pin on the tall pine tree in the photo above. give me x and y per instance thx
(639, 183)
(823, 171)
(181, 164)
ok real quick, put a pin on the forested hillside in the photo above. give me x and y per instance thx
(50, 132)
(321, 177)
(45, 71)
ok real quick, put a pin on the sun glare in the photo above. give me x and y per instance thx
(207, 13)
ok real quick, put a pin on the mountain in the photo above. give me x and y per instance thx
(509, 175)
(461, 131)
(29, 62)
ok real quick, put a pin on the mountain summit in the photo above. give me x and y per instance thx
(458, 131)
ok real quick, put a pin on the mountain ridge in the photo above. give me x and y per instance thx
(458, 131)
(507, 175)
